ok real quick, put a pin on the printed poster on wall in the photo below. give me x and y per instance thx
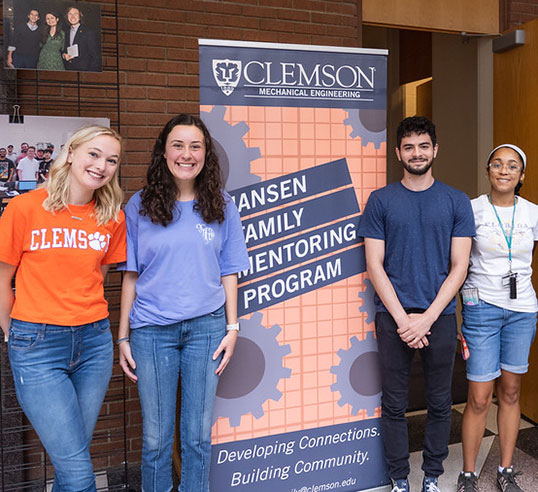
(28, 148)
(301, 137)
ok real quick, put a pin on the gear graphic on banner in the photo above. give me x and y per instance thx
(370, 125)
(234, 156)
(358, 378)
(252, 376)
(368, 304)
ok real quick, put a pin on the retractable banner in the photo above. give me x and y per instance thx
(301, 136)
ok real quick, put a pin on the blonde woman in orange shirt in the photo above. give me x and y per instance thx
(61, 241)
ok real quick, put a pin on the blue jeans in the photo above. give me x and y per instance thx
(61, 375)
(498, 339)
(161, 354)
(395, 358)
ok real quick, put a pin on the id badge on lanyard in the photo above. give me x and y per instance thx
(510, 279)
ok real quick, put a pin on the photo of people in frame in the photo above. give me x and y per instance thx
(52, 35)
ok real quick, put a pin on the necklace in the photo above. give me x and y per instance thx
(76, 217)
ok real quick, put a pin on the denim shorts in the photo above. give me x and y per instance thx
(497, 339)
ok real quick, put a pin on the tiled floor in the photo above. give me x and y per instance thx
(525, 458)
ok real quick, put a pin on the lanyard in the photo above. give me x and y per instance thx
(507, 239)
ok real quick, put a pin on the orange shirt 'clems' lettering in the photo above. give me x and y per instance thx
(58, 237)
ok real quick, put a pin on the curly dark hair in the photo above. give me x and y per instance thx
(161, 192)
(415, 124)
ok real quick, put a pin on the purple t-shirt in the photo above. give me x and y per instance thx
(180, 266)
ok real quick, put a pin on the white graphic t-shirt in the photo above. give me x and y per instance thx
(489, 254)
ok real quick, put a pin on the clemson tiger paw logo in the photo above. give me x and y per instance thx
(97, 241)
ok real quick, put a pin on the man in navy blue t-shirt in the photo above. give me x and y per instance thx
(417, 235)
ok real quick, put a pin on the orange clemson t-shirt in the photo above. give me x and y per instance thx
(59, 257)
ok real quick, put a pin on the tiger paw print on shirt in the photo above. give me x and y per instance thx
(97, 241)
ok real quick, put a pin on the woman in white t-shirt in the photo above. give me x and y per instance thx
(499, 312)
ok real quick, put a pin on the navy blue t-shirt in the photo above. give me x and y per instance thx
(417, 227)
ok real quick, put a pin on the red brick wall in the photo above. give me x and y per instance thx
(159, 53)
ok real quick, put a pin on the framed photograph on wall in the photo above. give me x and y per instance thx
(52, 35)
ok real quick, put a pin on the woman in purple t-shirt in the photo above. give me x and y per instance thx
(179, 299)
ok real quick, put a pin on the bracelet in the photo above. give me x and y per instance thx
(232, 327)
(124, 339)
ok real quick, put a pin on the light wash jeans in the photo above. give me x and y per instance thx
(498, 339)
(61, 375)
(161, 354)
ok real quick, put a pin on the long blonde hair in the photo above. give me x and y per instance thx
(108, 198)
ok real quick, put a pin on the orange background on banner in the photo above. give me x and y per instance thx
(315, 325)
